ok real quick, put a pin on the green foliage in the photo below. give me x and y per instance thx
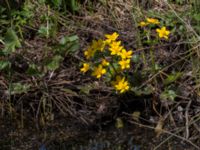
(19, 88)
(3, 17)
(172, 78)
(21, 17)
(195, 16)
(54, 62)
(148, 90)
(33, 70)
(180, 2)
(57, 3)
(4, 64)
(68, 44)
(168, 95)
(49, 25)
(11, 41)
(73, 5)
(47, 31)
(16, 18)
(191, 13)
(63, 5)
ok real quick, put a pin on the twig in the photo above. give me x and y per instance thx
(197, 127)
(1, 41)
(167, 132)
(156, 74)
(187, 120)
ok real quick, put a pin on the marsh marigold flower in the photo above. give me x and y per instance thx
(126, 54)
(99, 71)
(98, 45)
(163, 32)
(152, 21)
(111, 37)
(143, 24)
(115, 48)
(85, 68)
(124, 63)
(89, 53)
(105, 62)
(121, 84)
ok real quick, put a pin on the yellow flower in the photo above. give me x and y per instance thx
(89, 53)
(124, 63)
(152, 21)
(111, 37)
(163, 32)
(99, 71)
(115, 48)
(98, 45)
(105, 62)
(143, 24)
(126, 54)
(85, 68)
(121, 84)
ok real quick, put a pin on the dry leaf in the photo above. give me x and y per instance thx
(119, 123)
(136, 115)
(159, 127)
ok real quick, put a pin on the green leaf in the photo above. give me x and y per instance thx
(157, 67)
(54, 63)
(73, 48)
(172, 78)
(19, 88)
(44, 31)
(135, 58)
(168, 95)
(68, 44)
(67, 39)
(11, 41)
(197, 28)
(74, 5)
(148, 90)
(33, 70)
(196, 16)
(48, 31)
(4, 64)
(57, 3)
(113, 68)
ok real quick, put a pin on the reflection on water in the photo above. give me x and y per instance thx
(110, 139)
(93, 145)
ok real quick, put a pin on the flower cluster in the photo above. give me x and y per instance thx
(149, 21)
(162, 31)
(108, 58)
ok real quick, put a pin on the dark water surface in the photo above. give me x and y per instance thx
(65, 136)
